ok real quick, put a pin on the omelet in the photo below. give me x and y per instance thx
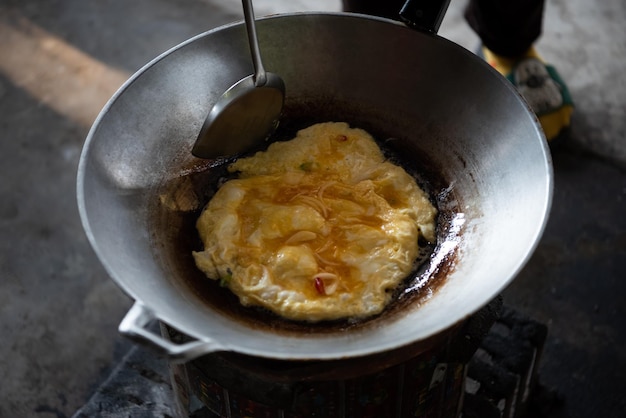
(320, 227)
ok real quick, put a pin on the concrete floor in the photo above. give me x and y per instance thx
(60, 60)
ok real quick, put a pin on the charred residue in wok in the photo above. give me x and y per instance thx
(182, 199)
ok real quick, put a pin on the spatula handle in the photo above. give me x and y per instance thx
(260, 78)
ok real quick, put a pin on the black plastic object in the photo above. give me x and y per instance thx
(425, 15)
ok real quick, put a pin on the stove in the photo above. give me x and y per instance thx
(489, 369)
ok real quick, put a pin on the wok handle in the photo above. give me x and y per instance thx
(425, 15)
(134, 326)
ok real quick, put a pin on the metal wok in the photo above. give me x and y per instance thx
(462, 125)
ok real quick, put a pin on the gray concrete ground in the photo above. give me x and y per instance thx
(60, 60)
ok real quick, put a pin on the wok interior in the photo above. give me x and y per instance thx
(459, 123)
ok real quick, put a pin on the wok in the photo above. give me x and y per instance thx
(463, 128)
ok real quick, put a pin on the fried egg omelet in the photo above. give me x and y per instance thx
(320, 227)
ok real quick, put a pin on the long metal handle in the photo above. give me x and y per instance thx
(134, 326)
(260, 78)
(425, 15)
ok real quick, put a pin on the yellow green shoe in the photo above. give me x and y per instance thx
(541, 86)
